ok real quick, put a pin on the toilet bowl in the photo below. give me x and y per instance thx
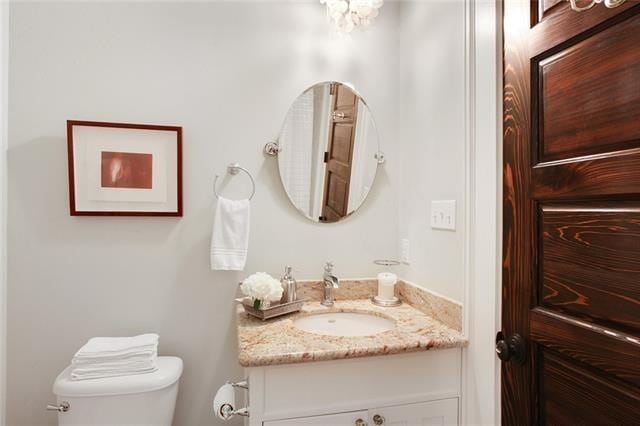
(142, 399)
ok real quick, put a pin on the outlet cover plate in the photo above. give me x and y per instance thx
(404, 251)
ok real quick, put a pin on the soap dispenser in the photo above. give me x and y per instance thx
(289, 286)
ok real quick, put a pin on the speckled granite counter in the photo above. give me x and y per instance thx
(277, 341)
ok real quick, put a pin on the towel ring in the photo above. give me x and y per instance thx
(234, 169)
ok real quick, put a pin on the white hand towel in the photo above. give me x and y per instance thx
(115, 366)
(114, 372)
(126, 364)
(133, 357)
(97, 356)
(230, 236)
(99, 347)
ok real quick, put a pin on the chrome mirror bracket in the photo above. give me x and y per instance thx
(272, 149)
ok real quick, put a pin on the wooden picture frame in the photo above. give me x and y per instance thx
(122, 169)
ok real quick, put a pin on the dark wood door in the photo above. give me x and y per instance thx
(339, 155)
(571, 211)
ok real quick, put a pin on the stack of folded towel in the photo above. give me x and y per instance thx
(115, 356)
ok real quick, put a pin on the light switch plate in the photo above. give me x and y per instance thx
(443, 215)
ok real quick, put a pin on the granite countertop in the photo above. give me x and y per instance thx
(277, 341)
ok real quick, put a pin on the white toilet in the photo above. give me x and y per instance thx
(143, 399)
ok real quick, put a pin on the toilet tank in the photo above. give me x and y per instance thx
(142, 399)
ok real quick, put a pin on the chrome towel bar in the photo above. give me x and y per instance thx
(234, 169)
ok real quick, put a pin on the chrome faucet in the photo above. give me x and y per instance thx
(330, 282)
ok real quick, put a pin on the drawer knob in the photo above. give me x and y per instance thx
(360, 422)
(378, 419)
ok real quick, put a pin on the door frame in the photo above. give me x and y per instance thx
(483, 192)
(4, 137)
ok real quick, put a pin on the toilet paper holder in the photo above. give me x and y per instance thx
(226, 410)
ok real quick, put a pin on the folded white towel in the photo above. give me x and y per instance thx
(230, 236)
(133, 357)
(115, 356)
(126, 365)
(107, 356)
(115, 372)
(116, 346)
(112, 369)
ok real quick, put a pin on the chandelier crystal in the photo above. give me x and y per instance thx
(348, 15)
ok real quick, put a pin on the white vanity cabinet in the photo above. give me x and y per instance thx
(420, 388)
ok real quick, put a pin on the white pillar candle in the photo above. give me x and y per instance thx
(386, 284)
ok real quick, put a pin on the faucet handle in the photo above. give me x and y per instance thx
(328, 267)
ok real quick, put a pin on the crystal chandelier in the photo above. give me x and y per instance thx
(608, 3)
(347, 15)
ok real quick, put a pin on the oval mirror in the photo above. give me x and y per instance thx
(328, 152)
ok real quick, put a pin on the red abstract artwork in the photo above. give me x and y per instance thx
(126, 170)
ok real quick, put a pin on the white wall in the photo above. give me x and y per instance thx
(431, 129)
(227, 72)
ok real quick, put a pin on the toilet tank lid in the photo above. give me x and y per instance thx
(168, 372)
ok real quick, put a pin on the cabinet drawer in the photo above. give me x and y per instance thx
(348, 385)
(342, 419)
(441, 413)
(433, 413)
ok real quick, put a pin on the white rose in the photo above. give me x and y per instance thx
(262, 286)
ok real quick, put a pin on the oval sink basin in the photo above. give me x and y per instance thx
(344, 324)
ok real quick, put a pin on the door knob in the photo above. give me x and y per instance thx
(378, 419)
(511, 348)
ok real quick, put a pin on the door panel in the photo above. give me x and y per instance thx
(574, 395)
(560, 24)
(545, 6)
(345, 98)
(609, 350)
(587, 270)
(342, 143)
(571, 211)
(590, 94)
(337, 197)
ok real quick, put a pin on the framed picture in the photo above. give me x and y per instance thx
(120, 169)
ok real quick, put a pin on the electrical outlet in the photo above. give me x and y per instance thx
(443, 215)
(404, 251)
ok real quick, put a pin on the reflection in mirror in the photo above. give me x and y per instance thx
(328, 149)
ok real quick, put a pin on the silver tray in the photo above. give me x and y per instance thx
(273, 310)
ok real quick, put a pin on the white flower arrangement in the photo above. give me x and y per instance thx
(262, 288)
(348, 15)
